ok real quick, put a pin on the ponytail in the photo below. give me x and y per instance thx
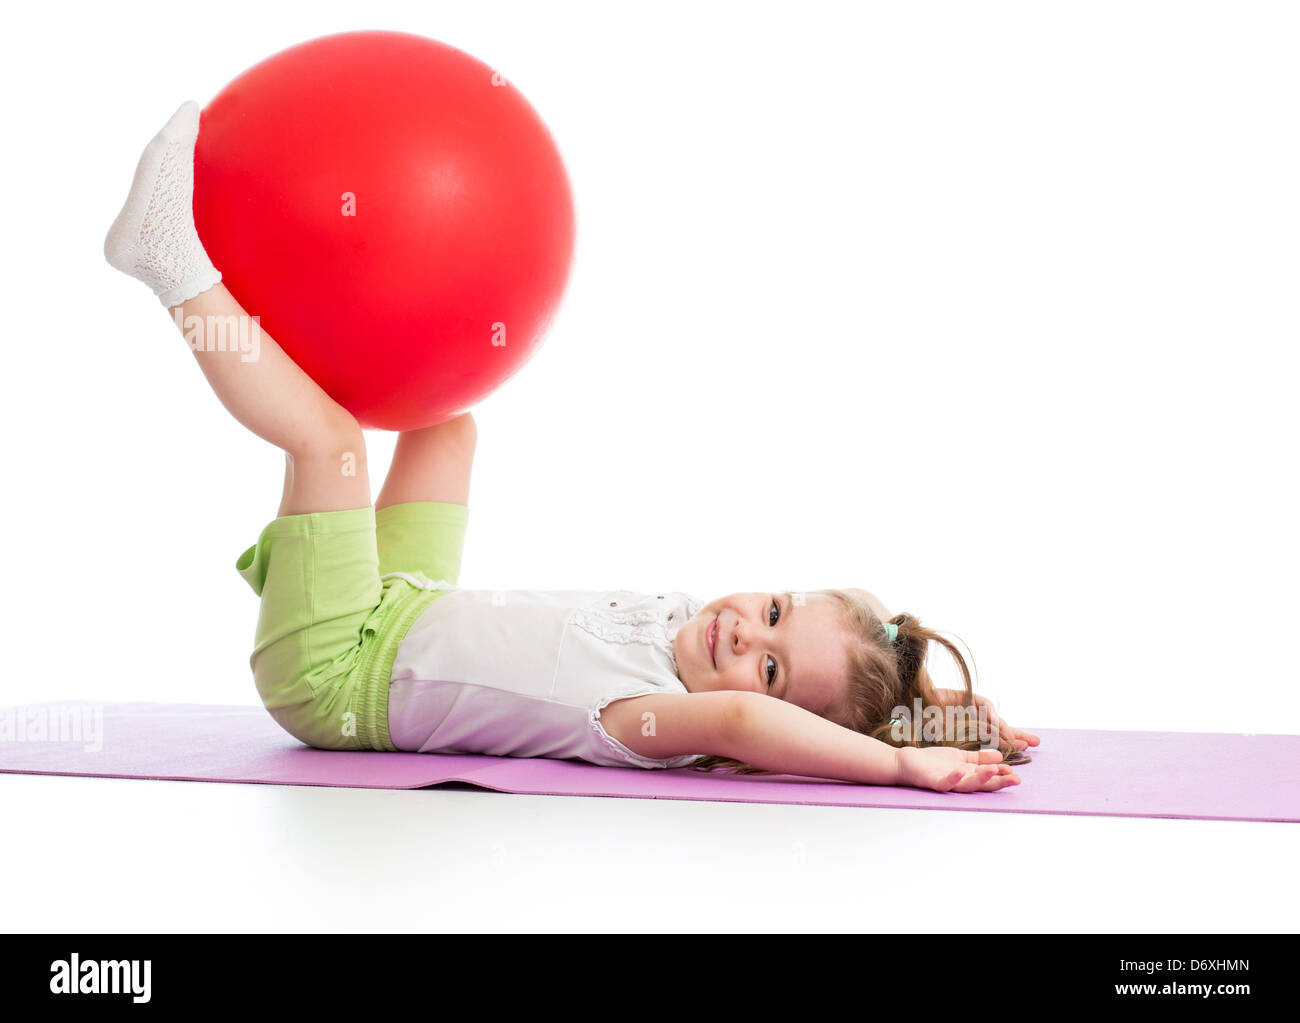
(915, 686)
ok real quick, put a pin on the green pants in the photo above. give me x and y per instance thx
(333, 614)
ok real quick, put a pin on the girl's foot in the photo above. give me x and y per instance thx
(154, 239)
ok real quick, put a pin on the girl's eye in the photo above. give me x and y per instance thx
(773, 616)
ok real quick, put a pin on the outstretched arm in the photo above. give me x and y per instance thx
(779, 736)
(433, 464)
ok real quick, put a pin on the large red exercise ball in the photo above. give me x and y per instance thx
(395, 213)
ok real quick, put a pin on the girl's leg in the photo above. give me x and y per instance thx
(422, 511)
(154, 240)
(286, 496)
(325, 449)
(433, 464)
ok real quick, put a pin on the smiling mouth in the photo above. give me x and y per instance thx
(711, 640)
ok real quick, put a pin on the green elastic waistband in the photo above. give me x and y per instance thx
(376, 670)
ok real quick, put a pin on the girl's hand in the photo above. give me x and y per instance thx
(1019, 739)
(1015, 736)
(948, 769)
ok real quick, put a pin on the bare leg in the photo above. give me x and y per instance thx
(286, 497)
(433, 464)
(325, 464)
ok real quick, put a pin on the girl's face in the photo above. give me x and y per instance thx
(789, 645)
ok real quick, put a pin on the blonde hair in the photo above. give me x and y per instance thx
(883, 676)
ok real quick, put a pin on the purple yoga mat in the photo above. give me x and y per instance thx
(1120, 774)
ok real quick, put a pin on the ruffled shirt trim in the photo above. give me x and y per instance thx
(649, 627)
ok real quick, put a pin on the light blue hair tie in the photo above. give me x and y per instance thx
(891, 630)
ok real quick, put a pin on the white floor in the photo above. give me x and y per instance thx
(102, 855)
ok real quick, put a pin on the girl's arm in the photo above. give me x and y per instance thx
(779, 736)
(664, 725)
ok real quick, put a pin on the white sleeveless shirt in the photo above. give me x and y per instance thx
(525, 673)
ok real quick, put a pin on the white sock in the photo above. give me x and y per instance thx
(154, 239)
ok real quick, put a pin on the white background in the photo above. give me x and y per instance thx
(989, 308)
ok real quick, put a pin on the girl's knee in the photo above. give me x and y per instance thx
(328, 441)
(329, 470)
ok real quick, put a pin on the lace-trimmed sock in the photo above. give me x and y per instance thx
(154, 239)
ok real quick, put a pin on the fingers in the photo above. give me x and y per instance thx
(983, 756)
(1016, 736)
(984, 778)
(998, 781)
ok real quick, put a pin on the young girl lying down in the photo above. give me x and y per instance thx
(365, 642)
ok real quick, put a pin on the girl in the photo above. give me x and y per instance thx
(364, 641)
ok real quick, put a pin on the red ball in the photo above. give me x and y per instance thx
(395, 212)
